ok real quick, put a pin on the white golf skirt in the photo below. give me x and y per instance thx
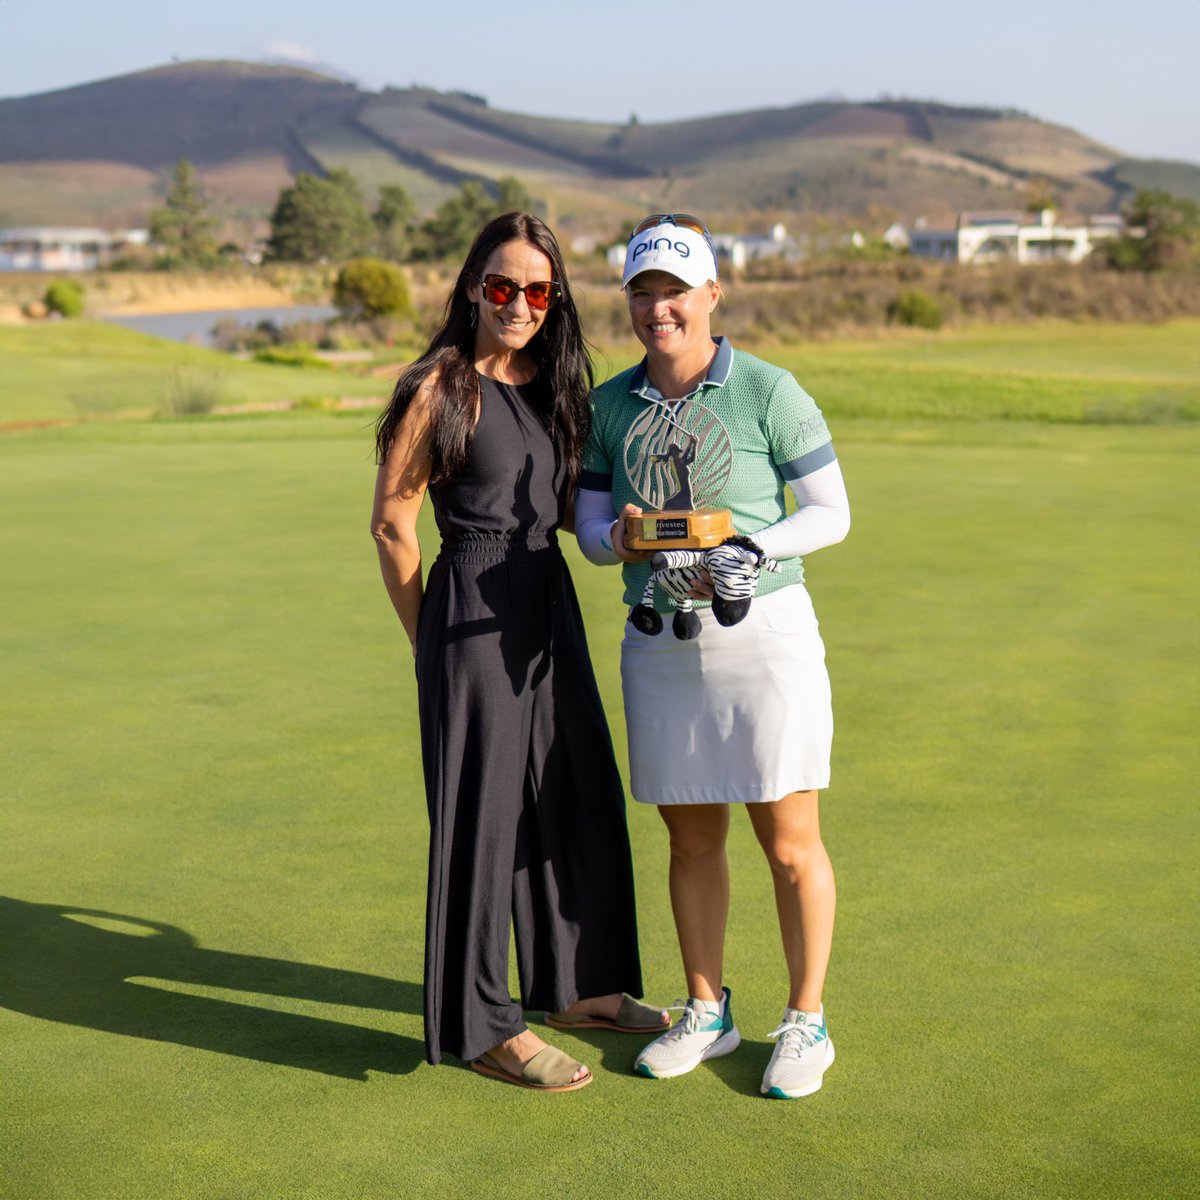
(737, 715)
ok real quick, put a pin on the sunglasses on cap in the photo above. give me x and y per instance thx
(499, 289)
(683, 220)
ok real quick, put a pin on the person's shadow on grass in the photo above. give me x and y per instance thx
(115, 976)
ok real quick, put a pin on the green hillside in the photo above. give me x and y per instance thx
(99, 153)
(209, 112)
(420, 124)
(335, 136)
(1179, 178)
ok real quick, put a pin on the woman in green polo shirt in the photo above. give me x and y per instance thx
(740, 714)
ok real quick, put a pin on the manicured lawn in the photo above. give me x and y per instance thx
(71, 370)
(214, 836)
(1097, 374)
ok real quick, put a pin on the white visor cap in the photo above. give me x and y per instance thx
(679, 251)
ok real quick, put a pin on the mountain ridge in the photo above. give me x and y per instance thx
(100, 152)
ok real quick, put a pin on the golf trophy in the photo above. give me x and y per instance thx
(691, 545)
(678, 525)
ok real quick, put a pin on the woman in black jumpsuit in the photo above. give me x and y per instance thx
(527, 815)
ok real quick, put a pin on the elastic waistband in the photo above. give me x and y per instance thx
(496, 547)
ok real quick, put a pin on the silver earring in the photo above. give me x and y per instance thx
(474, 316)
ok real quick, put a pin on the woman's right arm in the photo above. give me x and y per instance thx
(399, 492)
(594, 521)
(599, 530)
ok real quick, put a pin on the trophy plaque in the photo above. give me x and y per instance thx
(678, 529)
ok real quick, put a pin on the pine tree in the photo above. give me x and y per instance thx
(394, 215)
(184, 227)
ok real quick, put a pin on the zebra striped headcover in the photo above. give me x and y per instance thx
(677, 572)
(734, 569)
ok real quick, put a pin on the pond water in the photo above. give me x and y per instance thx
(196, 327)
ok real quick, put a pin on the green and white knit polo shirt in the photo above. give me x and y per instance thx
(740, 437)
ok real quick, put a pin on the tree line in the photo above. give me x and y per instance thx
(327, 219)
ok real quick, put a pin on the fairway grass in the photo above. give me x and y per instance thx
(214, 839)
(1057, 372)
(84, 370)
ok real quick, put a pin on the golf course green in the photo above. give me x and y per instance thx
(213, 830)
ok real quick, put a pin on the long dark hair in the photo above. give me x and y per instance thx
(564, 368)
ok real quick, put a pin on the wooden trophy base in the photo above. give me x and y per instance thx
(688, 529)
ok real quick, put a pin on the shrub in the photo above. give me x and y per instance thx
(65, 297)
(191, 391)
(916, 308)
(309, 333)
(135, 258)
(379, 332)
(294, 354)
(367, 287)
(230, 335)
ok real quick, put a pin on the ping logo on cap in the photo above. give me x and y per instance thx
(662, 243)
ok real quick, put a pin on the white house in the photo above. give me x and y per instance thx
(1013, 237)
(46, 248)
(742, 248)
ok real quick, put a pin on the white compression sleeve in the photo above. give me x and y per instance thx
(822, 518)
(594, 517)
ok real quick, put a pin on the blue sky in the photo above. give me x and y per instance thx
(1123, 73)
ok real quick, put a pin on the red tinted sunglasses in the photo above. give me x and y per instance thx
(499, 289)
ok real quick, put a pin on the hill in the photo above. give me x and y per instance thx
(100, 152)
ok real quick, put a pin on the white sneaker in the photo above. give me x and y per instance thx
(803, 1053)
(697, 1035)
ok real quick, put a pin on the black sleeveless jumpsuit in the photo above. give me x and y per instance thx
(526, 809)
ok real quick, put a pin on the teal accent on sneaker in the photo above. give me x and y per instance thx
(696, 1037)
(727, 1007)
(802, 1055)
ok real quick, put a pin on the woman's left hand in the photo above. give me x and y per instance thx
(703, 588)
